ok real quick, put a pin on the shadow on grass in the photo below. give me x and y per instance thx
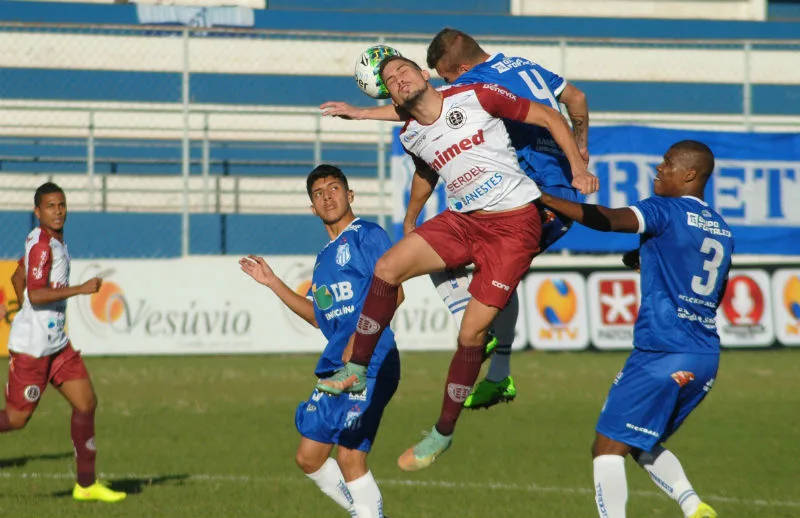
(18, 462)
(134, 486)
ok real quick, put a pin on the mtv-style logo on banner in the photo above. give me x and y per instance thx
(614, 299)
(786, 301)
(744, 318)
(556, 311)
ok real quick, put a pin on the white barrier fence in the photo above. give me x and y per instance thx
(206, 305)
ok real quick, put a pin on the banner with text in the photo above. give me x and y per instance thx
(755, 184)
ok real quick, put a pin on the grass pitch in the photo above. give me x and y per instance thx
(214, 436)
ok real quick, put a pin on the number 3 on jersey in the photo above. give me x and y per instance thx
(714, 247)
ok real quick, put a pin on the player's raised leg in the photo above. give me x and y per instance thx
(72, 380)
(410, 257)
(666, 471)
(464, 369)
(498, 385)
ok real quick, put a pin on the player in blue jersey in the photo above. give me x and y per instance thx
(685, 257)
(459, 60)
(340, 282)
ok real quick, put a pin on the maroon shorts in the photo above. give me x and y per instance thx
(28, 376)
(500, 245)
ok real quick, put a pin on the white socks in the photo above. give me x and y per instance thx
(666, 471)
(367, 499)
(610, 486)
(331, 482)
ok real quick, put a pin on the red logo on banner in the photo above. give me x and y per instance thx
(619, 301)
(743, 303)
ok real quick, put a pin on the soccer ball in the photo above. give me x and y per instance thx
(367, 67)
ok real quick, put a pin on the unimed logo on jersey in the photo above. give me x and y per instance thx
(619, 301)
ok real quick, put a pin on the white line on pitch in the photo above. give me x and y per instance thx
(531, 488)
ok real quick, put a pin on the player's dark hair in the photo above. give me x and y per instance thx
(324, 171)
(451, 47)
(701, 156)
(45, 188)
(396, 58)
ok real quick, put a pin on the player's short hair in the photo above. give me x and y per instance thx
(452, 47)
(390, 59)
(45, 188)
(701, 156)
(324, 171)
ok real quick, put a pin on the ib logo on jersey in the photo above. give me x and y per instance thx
(557, 304)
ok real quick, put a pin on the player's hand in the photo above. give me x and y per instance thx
(256, 267)
(586, 182)
(631, 260)
(341, 110)
(584, 151)
(91, 286)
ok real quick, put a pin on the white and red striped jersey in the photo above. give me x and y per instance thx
(469, 147)
(39, 330)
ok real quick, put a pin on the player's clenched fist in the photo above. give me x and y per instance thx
(92, 285)
(587, 183)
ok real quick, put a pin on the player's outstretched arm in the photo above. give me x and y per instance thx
(257, 268)
(42, 296)
(594, 216)
(547, 117)
(343, 110)
(422, 185)
(578, 110)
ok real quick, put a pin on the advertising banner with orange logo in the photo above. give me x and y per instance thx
(556, 311)
(9, 299)
(205, 305)
(786, 300)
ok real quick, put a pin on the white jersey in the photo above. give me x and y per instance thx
(39, 330)
(470, 149)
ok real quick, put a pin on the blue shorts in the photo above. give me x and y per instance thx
(555, 225)
(653, 394)
(349, 420)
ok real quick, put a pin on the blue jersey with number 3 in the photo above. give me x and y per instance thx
(539, 155)
(342, 277)
(685, 256)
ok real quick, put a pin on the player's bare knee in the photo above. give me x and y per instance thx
(305, 463)
(18, 420)
(353, 463)
(386, 270)
(87, 405)
(471, 338)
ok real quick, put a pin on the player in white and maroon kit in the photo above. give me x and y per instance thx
(39, 349)
(458, 134)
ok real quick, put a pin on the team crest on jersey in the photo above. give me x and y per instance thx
(32, 393)
(343, 254)
(455, 117)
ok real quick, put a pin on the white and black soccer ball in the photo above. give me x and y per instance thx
(367, 67)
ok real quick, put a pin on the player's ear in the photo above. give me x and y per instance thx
(36, 213)
(351, 195)
(426, 75)
(313, 210)
(690, 175)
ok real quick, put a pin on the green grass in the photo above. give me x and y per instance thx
(214, 436)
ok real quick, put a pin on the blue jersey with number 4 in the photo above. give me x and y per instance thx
(539, 155)
(342, 277)
(685, 253)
